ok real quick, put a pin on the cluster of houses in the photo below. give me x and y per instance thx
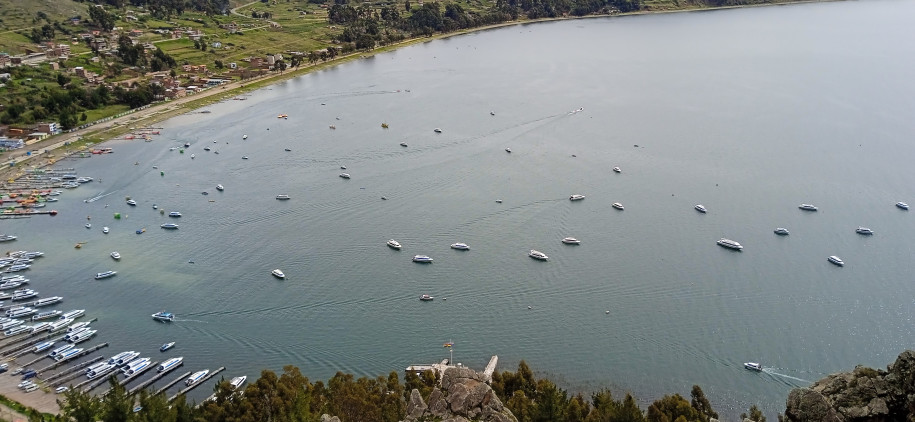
(14, 138)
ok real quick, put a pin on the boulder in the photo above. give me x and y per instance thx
(463, 396)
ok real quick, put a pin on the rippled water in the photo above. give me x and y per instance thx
(749, 112)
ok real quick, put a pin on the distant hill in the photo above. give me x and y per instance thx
(21, 14)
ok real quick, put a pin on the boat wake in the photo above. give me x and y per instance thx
(771, 371)
(97, 197)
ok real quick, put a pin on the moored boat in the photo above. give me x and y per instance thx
(282, 197)
(59, 324)
(23, 294)
(76, 313)
(17, 330)
(46, 315)
(576, 197)
(278, 274)
(7, 237)
(45, 301)
(864, 230)
(170, 364)
(836, 260)
(701, 208)
(220, 188)
(571, 241)
(105, 230)
(345, 175)
(426, 298)
(174, 214)
(903, 205)
(106, 274)
(460, 246)
(781, 231)
(238, 381)
(116, 255)
(21, 312)
(807, 207)
(538, 255)
(617, 170)
(59, 350)
(394, 244)
(196, 377)
(131, 202)
(40, 347)
(169, 226)
(730, 244)
(617, 205)
(123, 357)
(423, 259)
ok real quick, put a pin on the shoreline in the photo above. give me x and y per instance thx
(164, 111)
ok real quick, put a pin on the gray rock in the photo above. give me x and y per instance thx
(438, 407)
(328, 418)
(416, 407)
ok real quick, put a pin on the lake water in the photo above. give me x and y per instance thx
(750, 112)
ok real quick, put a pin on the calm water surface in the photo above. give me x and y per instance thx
(749, 112)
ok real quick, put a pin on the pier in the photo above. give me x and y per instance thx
(169, 385)
(70, 372)
(19, 349)
(194, 385)
(136, 375)
(83, 353)
(490, 368)
(155, 378)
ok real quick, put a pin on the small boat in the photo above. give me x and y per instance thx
(781, 231)
(864, 230)
(174, 214)
(219, 188)
(88, 225)
(394, 244)
(238, 381)
(244, 137)
(187, 144)
(287, 150)
(123, 358)
(617, 205)
(195, 377)
(170, 364)
(43, 346)
(163, 316)
(155, 207)
(460, 246)
(403, 144)
(204, 193)
(61, 390)
(508, 150)
(498, 201)
(167, 346)
(56, 352)
(23, 294)
(18, 267)
(244, 157)
(278, 274)
(730, 244)
(45, 301)
(131, 202)
(115, 255)
(423, 259)
(902, 205)
(342, 167)
(492, 113)
(437, 130)
(46, 315)
(538, 255)
(105, 230)
(21, 312)
(701, 208)
(141, 231)
(426, 298)
(345, 175)
(206, 148)
(836, 260)
(807, 207)
(59, 324)
(617, 170)
(7, 238)
(571, 241)
(192, 156)
(753, 366)
(282, 197)
(576, 197)
(105, 274)
(169, 226)
(76, 313)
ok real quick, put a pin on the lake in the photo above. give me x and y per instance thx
(750, 112)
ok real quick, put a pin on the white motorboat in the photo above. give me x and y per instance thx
(244, 157)
(170, 364)
(460, 246)
(88, 225)
(116, 255)
(403, 144)
(902, 205)
(836, 260)
(282, 197)
(807, 207)
(76, 313)
(167, 346)
(617, 170)
(571, 241)
(131, 202)
(105, 230)
(105, 274)
(730, 244)
(23, 294)
(7, 237)
(345, 175)
(42, 347)
(753, 366)
(394, 244)
(864, 230)
(163, 316)
(278, 274)
(617, 205)
(426, 298)
(701, 208)
(538, 255)
(122, 358)
(437, 130)
(59, 324)
(422, 259)
(196, 377)
(781, 231)
(170, 226)
(174, 214)
(46, 301)
(220, 188)
(576, 197)
(46, 315)
(238, 381)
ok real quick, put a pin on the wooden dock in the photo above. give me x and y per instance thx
(194, 385)
(155, 378)
(169, 385)
(80, 354)
(73, 372)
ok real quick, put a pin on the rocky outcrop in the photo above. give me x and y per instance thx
(463, 396)
(864, 394)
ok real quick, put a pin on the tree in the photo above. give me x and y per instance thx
(101, 18)
(406, 5)
(672, 408)
(79, 406)
(755, 415)
(83, 117)
(701, 404)
(218, 63)
(62, 79)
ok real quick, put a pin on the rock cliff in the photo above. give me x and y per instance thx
(864, 394)
(463, 396)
